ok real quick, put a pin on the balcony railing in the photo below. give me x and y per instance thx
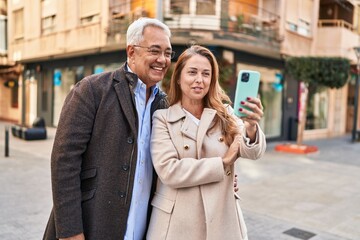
(335, 23)
(235, 21)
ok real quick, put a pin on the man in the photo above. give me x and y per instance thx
(101, 168)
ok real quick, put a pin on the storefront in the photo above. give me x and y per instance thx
(49, 82)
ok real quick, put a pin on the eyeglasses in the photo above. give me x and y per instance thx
(157, 52)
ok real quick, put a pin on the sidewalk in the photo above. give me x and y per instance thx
(318, 193)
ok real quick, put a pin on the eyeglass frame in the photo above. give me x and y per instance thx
(156, 51)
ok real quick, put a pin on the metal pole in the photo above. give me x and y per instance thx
(159, 10)
(356, 100)
(6, 141)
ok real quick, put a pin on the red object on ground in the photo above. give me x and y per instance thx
(294, 148)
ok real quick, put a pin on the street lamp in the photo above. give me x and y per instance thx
(356, 99)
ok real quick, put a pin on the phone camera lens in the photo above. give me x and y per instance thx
(245, 77)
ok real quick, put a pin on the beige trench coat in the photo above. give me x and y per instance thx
(194, 198)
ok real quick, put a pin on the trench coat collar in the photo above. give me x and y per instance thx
(124, 85)
(189, 128)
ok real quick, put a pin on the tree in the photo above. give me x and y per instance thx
(314, 73)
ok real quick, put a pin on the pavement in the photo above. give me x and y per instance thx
(284, 196)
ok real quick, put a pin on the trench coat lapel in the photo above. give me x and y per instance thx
(188, 127)
(205, 122)
(124, 81)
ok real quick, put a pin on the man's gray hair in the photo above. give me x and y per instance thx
(135, 31)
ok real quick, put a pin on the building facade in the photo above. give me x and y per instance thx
(68, 40)
(9, 73)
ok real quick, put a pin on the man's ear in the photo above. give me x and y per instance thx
(130, 51)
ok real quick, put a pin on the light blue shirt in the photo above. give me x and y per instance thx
(137, 219)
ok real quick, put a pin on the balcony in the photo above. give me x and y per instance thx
(248, 28)
(334, 37)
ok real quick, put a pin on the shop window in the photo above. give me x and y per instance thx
(317, 109)
(270, 92)
(64, 79)
(99, 68)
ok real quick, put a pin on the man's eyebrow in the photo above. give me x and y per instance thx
(159, 47)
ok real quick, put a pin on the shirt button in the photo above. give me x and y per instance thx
(186, 147)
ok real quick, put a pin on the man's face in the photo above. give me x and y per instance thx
(151, 58)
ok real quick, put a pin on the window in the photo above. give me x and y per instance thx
(317, 109)
(3, 7)
(299, 16)
(15, 96)
(179, 6)
(48, 16)
(3, 34)
(119, 9)
(18, 16)
(205, 7)
(89, 11)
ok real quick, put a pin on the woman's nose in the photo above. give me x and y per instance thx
(198, 79)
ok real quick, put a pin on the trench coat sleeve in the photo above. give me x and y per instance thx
(184, 172)
(73, 134)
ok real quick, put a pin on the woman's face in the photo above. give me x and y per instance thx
(195, 79)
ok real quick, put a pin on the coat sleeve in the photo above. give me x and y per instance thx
(73, 134)
(175, 172)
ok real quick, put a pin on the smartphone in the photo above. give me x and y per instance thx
(247, 86)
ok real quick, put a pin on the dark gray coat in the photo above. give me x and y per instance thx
(94, 157)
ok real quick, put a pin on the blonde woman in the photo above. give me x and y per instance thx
(194, 145)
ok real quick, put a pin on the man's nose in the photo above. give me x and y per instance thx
(161, 57)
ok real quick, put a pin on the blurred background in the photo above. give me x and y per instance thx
(46, 46)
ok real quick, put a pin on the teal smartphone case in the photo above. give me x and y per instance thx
(247, 86)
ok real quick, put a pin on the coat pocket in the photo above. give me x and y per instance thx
(163, 203)
(88, 184)
(243, 228)
(160, 217)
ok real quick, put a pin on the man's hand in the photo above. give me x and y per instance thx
(76, 237)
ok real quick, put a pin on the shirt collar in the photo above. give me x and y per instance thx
(154, 89)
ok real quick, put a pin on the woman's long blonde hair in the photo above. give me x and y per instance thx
(215, 98)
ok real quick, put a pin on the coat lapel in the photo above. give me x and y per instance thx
(188, 127)
(205, 122)
(124, 81)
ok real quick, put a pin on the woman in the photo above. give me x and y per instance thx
(195, 143)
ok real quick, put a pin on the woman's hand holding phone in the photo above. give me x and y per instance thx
(246, 105)
(253, 116)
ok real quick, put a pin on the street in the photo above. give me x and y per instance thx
(314, 196)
